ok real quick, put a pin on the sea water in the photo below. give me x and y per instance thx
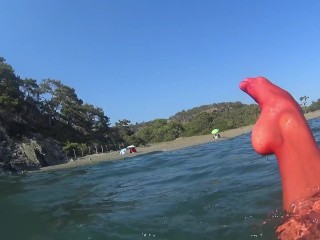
(219, 190)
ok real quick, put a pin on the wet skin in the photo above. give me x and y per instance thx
(283, 130)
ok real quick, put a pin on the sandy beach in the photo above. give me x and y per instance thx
(164, 146)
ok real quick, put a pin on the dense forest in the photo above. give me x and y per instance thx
(55, 111)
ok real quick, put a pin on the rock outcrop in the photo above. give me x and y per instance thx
(28, 152)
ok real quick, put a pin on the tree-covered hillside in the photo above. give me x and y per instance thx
(199, 121)
(50, 108)
(54, 110)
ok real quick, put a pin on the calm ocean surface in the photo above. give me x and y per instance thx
(220, 190)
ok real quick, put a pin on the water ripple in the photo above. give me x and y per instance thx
(219, 190)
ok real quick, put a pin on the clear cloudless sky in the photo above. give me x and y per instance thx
(146, 59)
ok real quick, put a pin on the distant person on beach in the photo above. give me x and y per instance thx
(123, 151)
(216, 136)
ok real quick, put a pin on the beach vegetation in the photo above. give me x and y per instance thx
(54, 110)
(303, 103)
(314, 106)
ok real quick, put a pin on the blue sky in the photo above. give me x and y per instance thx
(146, 59)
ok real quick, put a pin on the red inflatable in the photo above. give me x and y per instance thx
(283, 130)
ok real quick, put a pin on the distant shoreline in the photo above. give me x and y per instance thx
(164, 146)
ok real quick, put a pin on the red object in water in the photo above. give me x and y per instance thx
(283, 130)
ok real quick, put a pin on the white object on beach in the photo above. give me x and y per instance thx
(123, 151)
(131, 146)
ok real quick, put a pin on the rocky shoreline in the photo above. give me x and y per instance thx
(29, 152)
